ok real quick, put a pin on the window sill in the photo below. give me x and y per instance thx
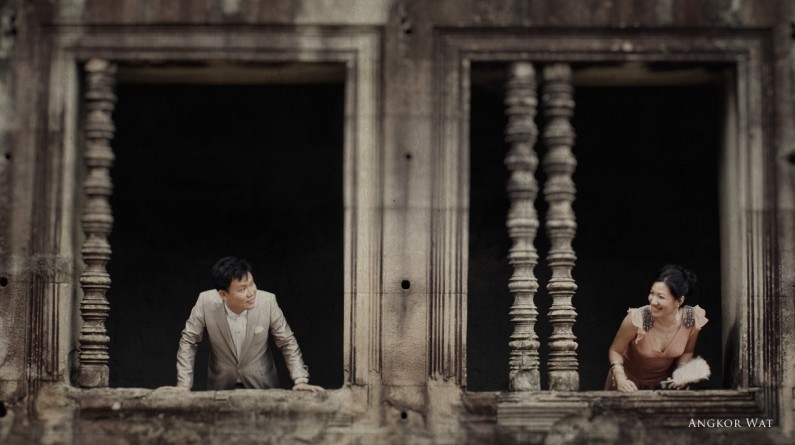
(333, 405)
(538, 411)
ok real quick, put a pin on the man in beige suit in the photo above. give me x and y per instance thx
(239, 319)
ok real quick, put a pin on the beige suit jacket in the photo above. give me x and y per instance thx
(255, 367)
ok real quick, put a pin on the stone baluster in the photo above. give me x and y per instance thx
(97, 220)
(559, 191)
(522, 223)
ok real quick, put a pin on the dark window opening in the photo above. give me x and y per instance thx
(205, 171)
(647, 194)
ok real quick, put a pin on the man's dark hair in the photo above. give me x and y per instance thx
(228, 269)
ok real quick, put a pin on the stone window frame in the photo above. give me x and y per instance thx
(358, 50)
(749, 262)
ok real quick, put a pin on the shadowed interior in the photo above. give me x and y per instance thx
(205, 171)
(647, 194)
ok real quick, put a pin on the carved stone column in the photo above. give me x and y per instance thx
(559, 191)
(522, 223)
(97, 223)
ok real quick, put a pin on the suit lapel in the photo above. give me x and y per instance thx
(223, 324)
(251, 324)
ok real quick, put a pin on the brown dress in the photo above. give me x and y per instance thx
(643, 364)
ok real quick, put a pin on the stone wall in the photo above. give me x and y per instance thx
(406, 265)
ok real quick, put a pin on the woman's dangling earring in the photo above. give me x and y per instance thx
(678, 318)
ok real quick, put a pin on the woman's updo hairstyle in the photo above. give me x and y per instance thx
(679, 280)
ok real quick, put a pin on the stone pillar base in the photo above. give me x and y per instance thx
(93, 376)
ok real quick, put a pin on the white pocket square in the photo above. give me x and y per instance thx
(258, 329)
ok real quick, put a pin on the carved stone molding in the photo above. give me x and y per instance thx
(557, 101)
(750, 265)
(522, 223)
(97, 223)
(535, 415)
(357, 49)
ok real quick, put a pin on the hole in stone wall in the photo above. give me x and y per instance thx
(405, 284)
(404, 415)
(647, 194)
(8, 156)
(3, 281)
(791, 158)
(3, 410)
(205, 171)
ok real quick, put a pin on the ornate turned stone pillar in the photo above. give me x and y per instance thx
(559, 191)
(97, 223)
(522, 223)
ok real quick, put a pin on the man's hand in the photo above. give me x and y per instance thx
(307, 387)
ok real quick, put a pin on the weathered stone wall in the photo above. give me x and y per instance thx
(406, 399)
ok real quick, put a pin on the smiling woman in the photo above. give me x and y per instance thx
(656, 339)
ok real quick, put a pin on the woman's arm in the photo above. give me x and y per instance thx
(626, 333)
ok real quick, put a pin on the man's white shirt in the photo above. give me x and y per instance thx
(237, 327)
